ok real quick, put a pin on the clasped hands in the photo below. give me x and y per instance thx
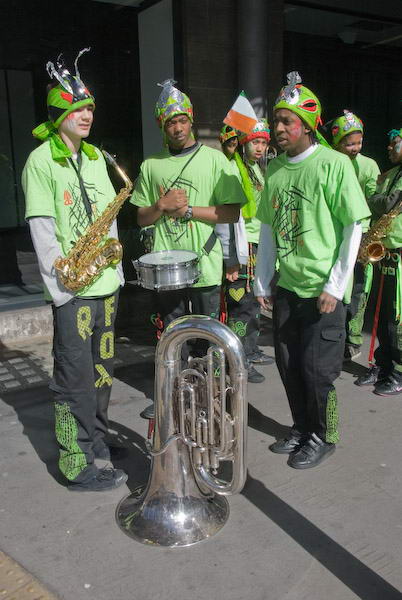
(173, 203)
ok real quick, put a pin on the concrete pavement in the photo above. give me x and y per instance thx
(329, 533)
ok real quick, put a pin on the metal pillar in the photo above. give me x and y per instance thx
(260, 51)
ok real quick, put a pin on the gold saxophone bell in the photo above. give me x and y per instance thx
(371, 249)
(200, 422)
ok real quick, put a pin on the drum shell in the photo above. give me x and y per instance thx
(167, 276)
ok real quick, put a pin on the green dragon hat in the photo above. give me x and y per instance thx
(342, 126)
(172, 102)
(66, 97)
(300, 100)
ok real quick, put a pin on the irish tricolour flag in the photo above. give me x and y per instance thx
(242, 116)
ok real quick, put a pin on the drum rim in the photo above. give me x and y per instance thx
(158, 252)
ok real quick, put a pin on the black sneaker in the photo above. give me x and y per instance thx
(254, 376)
(390, 386)
(311, 453)
(105, 479)
(259, 358)
(351, 353)
(288, 444)
(371, 376)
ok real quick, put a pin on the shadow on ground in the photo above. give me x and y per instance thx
(260, 422)
(359, 578)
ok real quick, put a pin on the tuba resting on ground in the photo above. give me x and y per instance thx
(200, 421)
(90, 254)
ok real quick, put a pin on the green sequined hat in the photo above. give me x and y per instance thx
(172, 102)
(300, 100)
(227, 133)
(260, 130)
(342, 126)
(66, 97)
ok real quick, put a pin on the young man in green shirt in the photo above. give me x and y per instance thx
(183, 191)
(66, 187)
(386, 373)
(347, 137)
(312, 227)
(243, 310)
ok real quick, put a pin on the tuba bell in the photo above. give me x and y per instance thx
(200, 422)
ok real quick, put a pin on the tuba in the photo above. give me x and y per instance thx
(200, 421)
(91, 253)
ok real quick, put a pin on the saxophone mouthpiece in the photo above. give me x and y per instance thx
(110, 158)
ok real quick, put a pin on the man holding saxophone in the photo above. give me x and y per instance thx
(386, 374)
(67, 187)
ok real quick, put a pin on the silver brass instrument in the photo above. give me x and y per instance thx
(200, 421)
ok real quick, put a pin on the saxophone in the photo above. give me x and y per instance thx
(371, 248)
(90, 254)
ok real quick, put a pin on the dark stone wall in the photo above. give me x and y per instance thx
(210, 58)
(364, 80)
(35, 31)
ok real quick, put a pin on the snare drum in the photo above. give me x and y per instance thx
(167, 270)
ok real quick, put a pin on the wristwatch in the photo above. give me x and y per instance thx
(188, 214)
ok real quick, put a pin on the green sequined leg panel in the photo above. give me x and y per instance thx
(72, 459)
(238, 327)
(356, 324)
(332, 434)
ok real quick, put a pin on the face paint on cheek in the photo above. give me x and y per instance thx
(71, 122)
(398, 147)
(295, 132)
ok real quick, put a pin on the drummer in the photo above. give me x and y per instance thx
(184, 190)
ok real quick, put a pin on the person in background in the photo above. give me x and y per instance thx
(240, 242)
(386, 373)
(347, 137)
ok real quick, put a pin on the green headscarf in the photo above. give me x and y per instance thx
(303, 102)
(342, 126)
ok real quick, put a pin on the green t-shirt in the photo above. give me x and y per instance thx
(386, 189)
(52, 190)
(253, 225)
(307, 205)
(367, 172)
(208, 181)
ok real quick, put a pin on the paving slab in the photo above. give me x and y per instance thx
(329, 533)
